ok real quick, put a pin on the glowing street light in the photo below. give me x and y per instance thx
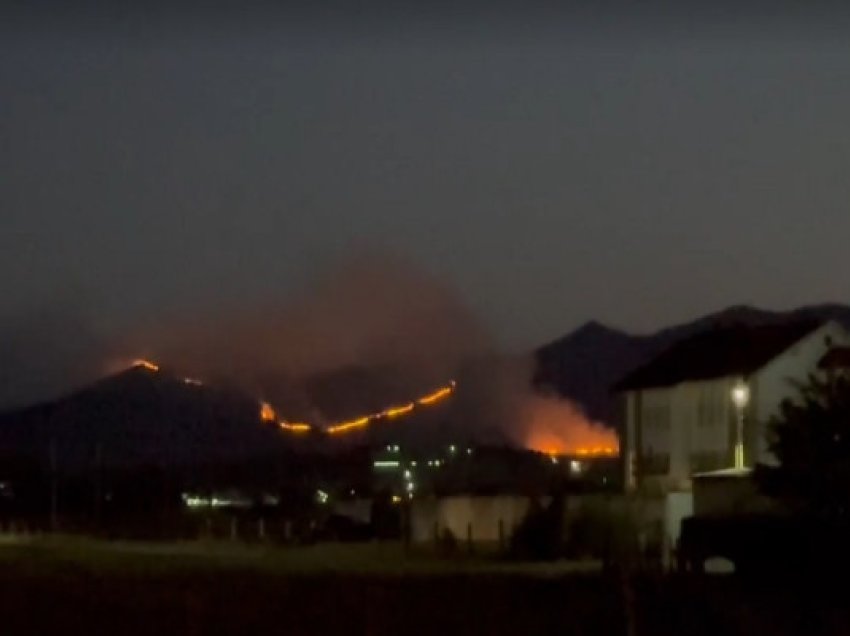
(740, 398)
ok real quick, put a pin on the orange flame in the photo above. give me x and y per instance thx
(397, 411)
(436, 396)
(344, 427)
(145, 364)
(557, 427)
(267, 413)
(295, 427)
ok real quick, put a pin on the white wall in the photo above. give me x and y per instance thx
(656, 421)
(714, 412)
(774, 383)
(688, 418)
(456, 514)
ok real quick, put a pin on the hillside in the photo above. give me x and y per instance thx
(140, 416)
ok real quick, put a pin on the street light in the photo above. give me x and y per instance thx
(740, 397)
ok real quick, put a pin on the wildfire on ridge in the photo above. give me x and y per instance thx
(437, 395)
(295, 427)
(393, 411)
(396, 411)
(145, 364)
(267, 412)
(344, 427)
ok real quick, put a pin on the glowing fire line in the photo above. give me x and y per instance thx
(145, 364)
(268, 415)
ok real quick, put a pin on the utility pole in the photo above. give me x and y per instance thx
(98, 488)
(740, 397)
(54, 487)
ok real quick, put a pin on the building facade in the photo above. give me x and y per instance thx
(680, 412)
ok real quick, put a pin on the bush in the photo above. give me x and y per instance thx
(538, 536)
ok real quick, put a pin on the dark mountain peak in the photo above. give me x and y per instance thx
(740, 314)
(590, 334)
(594, 328)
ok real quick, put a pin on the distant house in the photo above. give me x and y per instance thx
(679, 412)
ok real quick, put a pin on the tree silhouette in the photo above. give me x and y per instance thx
(810, 438)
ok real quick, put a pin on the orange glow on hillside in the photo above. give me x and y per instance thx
(295, 427)
(436, 396)
(397, 411)
(393, 412)
(550, 444)
(344, 427)
(267, 413)
(145, 364)
(557, 427)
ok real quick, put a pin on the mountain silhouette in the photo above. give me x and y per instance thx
(585, 364)
(141, 416)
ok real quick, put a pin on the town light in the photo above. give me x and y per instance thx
(385, 463)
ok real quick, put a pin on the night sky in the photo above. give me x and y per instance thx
(637, 167)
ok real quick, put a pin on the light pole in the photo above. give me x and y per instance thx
(740, 397)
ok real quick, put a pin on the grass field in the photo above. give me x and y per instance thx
(87, 587)
(71, 586)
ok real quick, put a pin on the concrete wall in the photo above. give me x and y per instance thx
(482, 515)
(359, 510)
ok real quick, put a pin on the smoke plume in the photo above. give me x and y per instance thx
(367, 312)
(500, 393)
(370, 324)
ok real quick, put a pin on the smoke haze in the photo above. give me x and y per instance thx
(371, 310)
(369, 326)
(499, 394)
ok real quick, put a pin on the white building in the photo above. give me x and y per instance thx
(480, 519)
(680, 415)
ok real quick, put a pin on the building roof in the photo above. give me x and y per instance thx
(726, 351)
(836, 358)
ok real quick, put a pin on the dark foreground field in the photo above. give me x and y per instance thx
(73, 587)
